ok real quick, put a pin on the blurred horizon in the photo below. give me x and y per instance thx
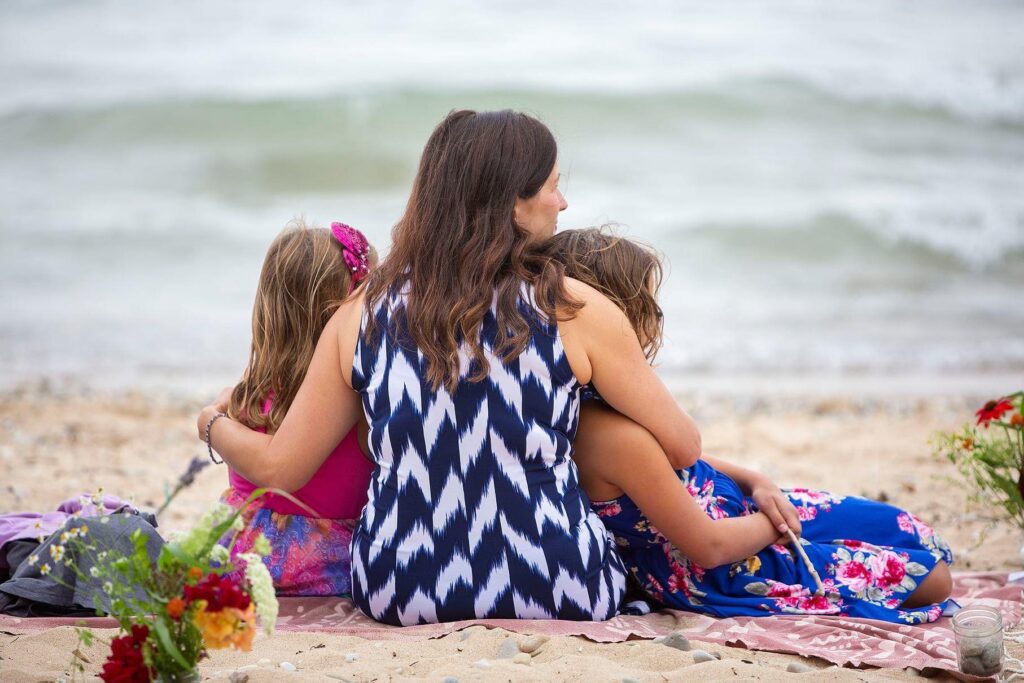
(838, 190)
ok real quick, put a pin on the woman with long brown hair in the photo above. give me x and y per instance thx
(467, 351)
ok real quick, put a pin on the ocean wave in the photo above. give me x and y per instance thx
(964, 61)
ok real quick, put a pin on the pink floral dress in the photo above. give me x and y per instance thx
(870, 556)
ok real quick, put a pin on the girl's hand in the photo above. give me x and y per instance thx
(773, 502)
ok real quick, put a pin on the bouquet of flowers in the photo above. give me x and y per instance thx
(990, 454)
(193, 598)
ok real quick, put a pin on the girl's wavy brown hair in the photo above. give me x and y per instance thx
(303, 281)
(457, 248)
(628, 273)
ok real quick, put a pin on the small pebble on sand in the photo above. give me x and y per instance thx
(351, 657)
(699, 657)
(238, 677)
(798, 668)
(287, 666)
(482, 664)
(522, 658)
(533, 643)
(508, 649)
(677, 640)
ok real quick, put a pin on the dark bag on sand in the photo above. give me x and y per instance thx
(28, 593)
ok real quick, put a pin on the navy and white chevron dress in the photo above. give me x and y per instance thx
(475, 509)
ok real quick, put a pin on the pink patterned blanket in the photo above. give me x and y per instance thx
(853, 642)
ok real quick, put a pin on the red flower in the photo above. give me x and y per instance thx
(815, 603)
(218, 592)
(993, 410)
(125, 663)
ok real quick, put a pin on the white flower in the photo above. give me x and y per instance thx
(108, 587)
(44, 569)
(102, 556)
(199, 535)
(57, 552)
(104, 520)
(262, 589)
(32, 559)
(65, 536)
(94, 572)
(219, 554)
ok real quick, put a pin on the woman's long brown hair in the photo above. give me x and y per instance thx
(303, 281)
(458, 246)
(628, 273)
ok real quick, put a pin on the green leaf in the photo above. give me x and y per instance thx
(757, 588)
(168, 645)
(916, 569)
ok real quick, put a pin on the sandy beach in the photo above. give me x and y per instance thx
(58, 442)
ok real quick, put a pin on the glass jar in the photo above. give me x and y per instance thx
(979, 640)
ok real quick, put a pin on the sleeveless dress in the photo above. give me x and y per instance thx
(475, 509)
(309, 553)
(870, 557)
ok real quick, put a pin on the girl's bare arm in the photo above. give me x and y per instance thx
(768, 497)
(614, 455)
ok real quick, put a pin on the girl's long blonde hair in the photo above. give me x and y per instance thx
(627, 272)
(303, 281)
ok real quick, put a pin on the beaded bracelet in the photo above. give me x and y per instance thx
(209, 446)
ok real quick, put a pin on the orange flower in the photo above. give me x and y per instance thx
(229, 627)
(1017, 420)
(195, 573)
(968, 444)
(175, 608)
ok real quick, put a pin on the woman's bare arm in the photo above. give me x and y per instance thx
(324, 410)
(603, 349)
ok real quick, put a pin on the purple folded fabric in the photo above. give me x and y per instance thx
(33, 525)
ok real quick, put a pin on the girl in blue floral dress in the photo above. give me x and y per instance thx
(713, 537)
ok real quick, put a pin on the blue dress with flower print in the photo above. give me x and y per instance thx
(870, 556)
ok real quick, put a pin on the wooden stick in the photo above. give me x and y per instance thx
(807, 561)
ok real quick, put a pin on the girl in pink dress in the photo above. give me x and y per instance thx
(307, 274)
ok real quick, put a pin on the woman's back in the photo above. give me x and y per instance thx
(475, 510)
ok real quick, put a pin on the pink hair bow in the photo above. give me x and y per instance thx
(356, 250)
